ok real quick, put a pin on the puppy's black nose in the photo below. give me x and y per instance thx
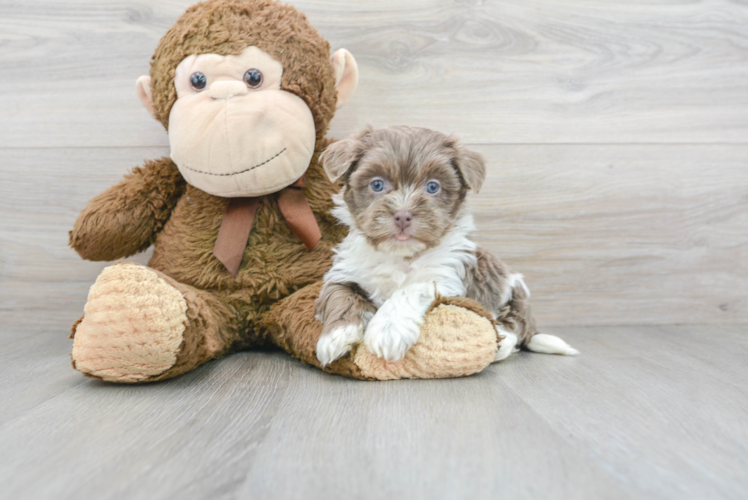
(403, 218)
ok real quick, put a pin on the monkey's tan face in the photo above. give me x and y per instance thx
(233, 132)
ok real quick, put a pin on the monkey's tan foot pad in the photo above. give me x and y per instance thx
(132, 327)
(455, 341)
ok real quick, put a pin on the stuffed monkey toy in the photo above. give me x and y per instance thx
(239, 214)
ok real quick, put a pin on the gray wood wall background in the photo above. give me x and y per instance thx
(616, 134)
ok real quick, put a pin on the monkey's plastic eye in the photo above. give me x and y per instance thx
(432, 187)
(377, 185)
(253, 78)
(198, 81)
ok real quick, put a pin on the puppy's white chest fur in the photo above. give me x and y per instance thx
(381, 274)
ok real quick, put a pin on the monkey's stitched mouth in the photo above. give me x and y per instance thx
(240, 171)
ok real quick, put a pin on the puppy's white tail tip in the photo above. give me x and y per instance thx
(550, 344)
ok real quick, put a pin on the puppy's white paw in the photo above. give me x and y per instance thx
(391, 337)
(338, 342)
(507, 346)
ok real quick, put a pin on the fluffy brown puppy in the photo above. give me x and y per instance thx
(239, 215)
(409, 242)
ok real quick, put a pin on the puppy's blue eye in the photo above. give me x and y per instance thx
(377, 185)
(432, 187)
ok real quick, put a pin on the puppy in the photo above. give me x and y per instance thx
(403, 198)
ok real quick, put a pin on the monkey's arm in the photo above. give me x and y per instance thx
(124, 219)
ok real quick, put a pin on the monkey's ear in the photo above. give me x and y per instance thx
(345, 69)
(472, 166)
(341, 157)
(143, 88)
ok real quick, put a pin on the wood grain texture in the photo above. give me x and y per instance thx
(604, 234)
(41, 279)
(644, 412)
(622, 234)
(516, 71)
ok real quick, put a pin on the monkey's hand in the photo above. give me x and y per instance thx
(125, 219)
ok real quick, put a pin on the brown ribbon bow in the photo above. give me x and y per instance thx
(240, 214)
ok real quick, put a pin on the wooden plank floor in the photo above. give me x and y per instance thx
(644, 412)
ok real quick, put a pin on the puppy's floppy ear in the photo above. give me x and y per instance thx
(472, 165)
(340, 157)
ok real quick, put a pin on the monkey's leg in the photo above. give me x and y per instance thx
(292, 326)
(140, 325)
(457, 338)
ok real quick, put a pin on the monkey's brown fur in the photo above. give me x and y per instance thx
(154, 205)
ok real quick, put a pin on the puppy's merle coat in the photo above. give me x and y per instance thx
(403, 199)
